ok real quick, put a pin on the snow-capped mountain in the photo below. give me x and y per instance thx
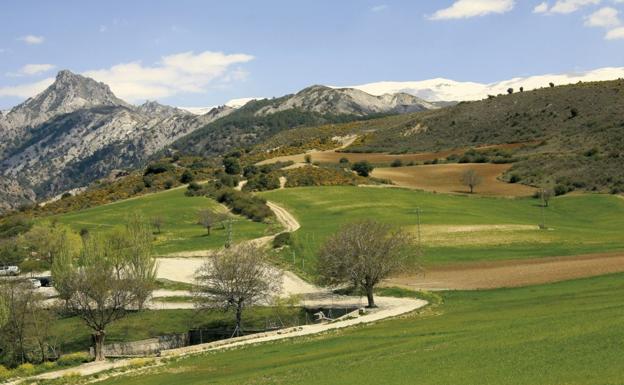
(441, 89)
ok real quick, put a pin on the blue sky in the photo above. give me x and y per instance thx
(196, 53)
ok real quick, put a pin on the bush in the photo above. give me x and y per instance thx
(262, 182)
(396, 163)
(25, 370)
(514, 178)
(4, 373)
(308, 158)
(187, 177)
(73, 359)
(281, 239)
(157, 168)
(253, 207)
(232, 166)
(344, 161)
(169, 184)
(560, 189)
(363, 168)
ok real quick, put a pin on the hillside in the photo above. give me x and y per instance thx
(77, 131)
(259, 120)
(574, 134)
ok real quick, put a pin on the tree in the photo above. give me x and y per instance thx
(158, 222)
(551, 84)
(363, 253)
(471, 179)
(187, 177)
(107, 278)
(510, 90)
(232, 166)
(207, 218)
(545, 195)
(47, 240)
(237, 278)
(521, 89)
(362, 168)
(25, 332)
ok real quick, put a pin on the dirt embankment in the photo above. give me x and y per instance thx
(513, 273)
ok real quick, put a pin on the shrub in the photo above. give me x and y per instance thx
(560, 189)
(262, 182)
(308, 158)
(73, 359)
(514, 178)
(281, 239)
(362, 168)
(157, 168)
(187, 177)
(4, 373)
(396, 163)
(140, 362)
(344, 161)
(232, 166)
(25, 370)
(193, 186)
(48, 365)
(169, 184)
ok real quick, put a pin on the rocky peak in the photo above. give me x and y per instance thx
(155, 109)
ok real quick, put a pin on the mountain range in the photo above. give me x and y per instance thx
(77, 130)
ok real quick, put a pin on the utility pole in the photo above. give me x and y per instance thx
(543, 193)
(228, 239)
(418, 226)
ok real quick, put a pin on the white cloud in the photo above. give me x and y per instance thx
(32, 69)
(462, 9)
(605, 17)
(180, 73)
(32, 39)
(379, 8)
(541, 8)
(26, 90)
(615, 34)
(569, 6)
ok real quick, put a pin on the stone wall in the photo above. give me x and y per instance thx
(150, 346)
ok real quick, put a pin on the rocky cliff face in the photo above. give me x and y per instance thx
(76, 131)
(347, 101)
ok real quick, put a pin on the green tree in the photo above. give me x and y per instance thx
(114, 273)
(363, 168)
(232, 166)
(46, 241)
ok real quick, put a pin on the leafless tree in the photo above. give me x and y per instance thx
(545, 195)
(471, 179)
(111, 275)
(207, 218)
(363, 253)
(237, 278)
(158, 222)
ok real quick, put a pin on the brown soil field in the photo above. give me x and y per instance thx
(332, 156)
(446, 178)
(514, 273)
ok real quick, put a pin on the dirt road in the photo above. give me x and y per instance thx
(489, 275)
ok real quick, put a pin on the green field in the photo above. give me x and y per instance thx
(180, 231)
(73, 335)
(458, 228)
(565, 333)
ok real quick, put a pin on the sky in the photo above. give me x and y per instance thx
(203, 53)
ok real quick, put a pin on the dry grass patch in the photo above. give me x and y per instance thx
(446, 178)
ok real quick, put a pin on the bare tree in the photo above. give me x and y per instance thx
(471, 179)
(545, 195)
(207, 218)
(237, 278)
(158, 223)
(363, 253)
(105, 281)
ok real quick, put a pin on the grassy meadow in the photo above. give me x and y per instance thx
(565, 333)
(180, 231)
(456, 228)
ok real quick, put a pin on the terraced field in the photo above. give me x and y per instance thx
(180, 231)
